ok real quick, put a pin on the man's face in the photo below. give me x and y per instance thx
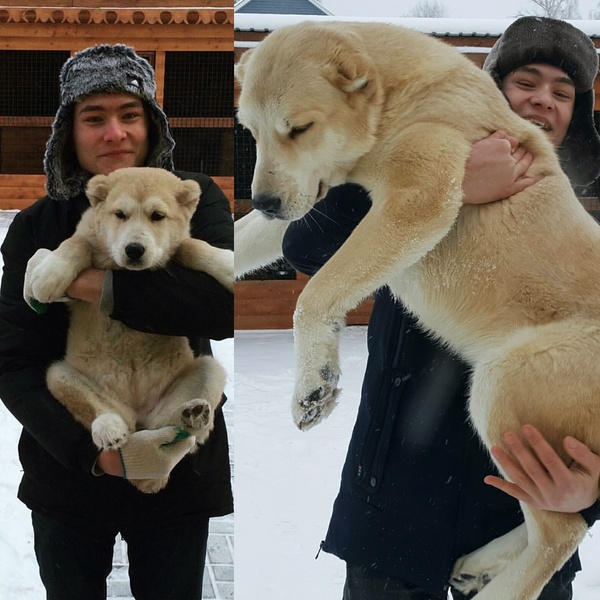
(544, 95)
(110, 132)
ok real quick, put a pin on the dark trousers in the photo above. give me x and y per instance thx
(366, 584)
(166, 562)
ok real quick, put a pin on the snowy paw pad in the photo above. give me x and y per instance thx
(197, 415)
(467, 583)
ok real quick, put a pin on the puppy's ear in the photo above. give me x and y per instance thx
(240, 67)
(188, 193)
(97, 189)
(351, 72)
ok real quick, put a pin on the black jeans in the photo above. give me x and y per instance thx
(166, 562)
(366, 584)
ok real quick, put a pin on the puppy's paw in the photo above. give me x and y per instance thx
(197, 418)
(109, 431)
(50, 278)
(309, 409)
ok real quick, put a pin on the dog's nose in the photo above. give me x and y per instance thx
(268, 205)
(135, 251)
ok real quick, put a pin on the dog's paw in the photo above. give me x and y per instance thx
(469, 576)
(197, 418)
(50, 278)
(309, 409)
(109, 431)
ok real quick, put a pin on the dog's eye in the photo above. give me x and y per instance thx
(157, 216)
(296, 131)
(120, 215)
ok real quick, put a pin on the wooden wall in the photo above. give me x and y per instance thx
(71, 25)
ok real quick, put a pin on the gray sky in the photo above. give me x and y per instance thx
(477, 9)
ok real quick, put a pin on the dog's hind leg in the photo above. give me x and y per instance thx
(547, 376)
(191, 399)
(109, 421)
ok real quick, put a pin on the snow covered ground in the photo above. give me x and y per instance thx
(286, 480)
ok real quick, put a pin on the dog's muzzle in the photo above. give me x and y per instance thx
(270, 206)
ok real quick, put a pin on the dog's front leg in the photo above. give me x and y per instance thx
(257, 241)
(49, 274)
(201, 256)
(413, 209)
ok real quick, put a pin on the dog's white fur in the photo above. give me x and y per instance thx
(114, 379)
(512, 286)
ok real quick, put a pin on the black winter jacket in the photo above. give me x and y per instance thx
(56, 452)
(412, 498)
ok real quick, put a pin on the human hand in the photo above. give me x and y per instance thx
(147, 454)
(496, 169)
(540, 478)
(88, 286)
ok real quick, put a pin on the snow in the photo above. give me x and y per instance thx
(466, 26)
(286, 480)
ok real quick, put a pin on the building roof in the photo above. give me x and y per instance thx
(281, 7)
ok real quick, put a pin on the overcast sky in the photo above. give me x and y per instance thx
(478, 9)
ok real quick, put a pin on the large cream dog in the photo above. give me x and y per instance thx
(512, 287)
(113, 379)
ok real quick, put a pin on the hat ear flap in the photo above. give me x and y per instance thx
(580, 150)
(97, 189)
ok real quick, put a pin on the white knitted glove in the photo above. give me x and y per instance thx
(152, 453)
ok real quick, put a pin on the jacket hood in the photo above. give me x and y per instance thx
(100, 70)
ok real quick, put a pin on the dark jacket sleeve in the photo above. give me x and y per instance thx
(309, 243)
(28, 343)
(176, 300)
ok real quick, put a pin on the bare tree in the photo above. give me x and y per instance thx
(428, 9)
(557, 9)
(594, 15)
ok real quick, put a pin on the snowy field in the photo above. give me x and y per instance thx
(286, 480)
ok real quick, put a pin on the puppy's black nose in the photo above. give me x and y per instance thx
(268, 205)
(134, 251)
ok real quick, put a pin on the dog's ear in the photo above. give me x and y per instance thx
(97, 189)
(188, 193)
(240, 66)
(351, 72)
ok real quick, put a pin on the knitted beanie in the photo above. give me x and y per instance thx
(542, 40)
(99, 70)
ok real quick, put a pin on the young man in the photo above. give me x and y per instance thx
(108, 118)
(412, 498)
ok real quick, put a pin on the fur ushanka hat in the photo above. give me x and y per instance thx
(531, 40)
(99, 70)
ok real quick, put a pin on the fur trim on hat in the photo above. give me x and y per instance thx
(542, 40)
(100, 70)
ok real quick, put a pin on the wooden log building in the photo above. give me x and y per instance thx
(190, 48)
